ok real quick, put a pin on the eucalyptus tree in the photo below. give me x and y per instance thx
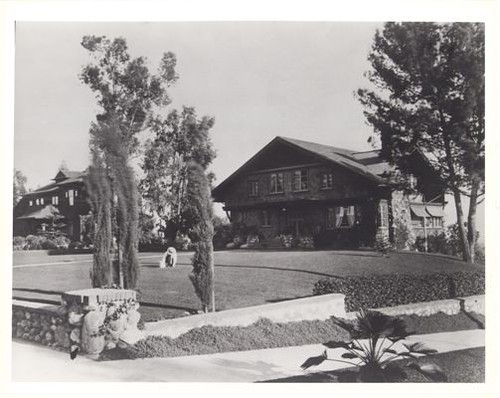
(178, 139)
(127, 94)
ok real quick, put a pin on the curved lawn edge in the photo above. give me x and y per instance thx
(266, 334)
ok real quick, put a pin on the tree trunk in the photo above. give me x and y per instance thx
(211, 274)
(464, 244)
(171, 229)
(471, 219)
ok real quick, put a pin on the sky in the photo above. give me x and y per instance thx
(257, 79)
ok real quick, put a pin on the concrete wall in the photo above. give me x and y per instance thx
(311, 308)
(449, 307)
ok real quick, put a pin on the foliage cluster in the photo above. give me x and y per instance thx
(36, 242)
(199, 210)
(427, 99)
(448, 242)
(378, 291)
(376, 358)
(126, 93)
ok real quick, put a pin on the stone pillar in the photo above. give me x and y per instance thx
(101, 319)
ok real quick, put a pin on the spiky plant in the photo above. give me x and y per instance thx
(374, 351)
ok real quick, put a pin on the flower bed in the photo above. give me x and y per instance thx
(267, 334)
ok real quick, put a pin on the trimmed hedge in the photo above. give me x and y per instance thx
(379, 291)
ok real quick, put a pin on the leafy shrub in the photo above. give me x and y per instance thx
(18, 243)
(479, 253)
(183, 243)
(448, 242)
(34, 242)
(304, 242)
(375, 361)
(390, 290)
(286, 241)
(48, 244)
(222, 233)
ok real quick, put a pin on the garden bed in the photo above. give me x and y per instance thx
(266, 334)
(463, 366)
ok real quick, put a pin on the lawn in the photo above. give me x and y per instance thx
(243, 278)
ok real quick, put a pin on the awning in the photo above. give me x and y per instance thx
(47, 212)
(435, 211)
(418, 210)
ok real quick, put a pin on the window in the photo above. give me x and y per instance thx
(434, 222)
(243, 217)
(327, 181)
(37, 201)
(412, 181)
(265, 219)
(76, 193)
(253, 188)
(342, 217)
(31, 203)
(277, 183)
(383, 214)
(41, 201)
(71, 196)
(55, 200)
(300, 182)
(330, 218)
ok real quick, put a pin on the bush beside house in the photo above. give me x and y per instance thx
(36, 242)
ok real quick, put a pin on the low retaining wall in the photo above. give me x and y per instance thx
(91, 320)
(449, 307)
(311, 308)
(40, 323)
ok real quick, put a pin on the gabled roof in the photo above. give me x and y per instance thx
(44, 213)
(61, 178)
(366, 164)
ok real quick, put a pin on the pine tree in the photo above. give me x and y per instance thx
(429, 97)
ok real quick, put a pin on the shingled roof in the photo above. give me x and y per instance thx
(367, 164)
(62, 178)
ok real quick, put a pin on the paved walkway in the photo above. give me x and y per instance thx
(37, 363)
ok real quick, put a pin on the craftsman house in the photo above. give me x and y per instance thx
(339, 197)
(64, 197)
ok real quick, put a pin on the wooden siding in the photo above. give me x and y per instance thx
(346, 185)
